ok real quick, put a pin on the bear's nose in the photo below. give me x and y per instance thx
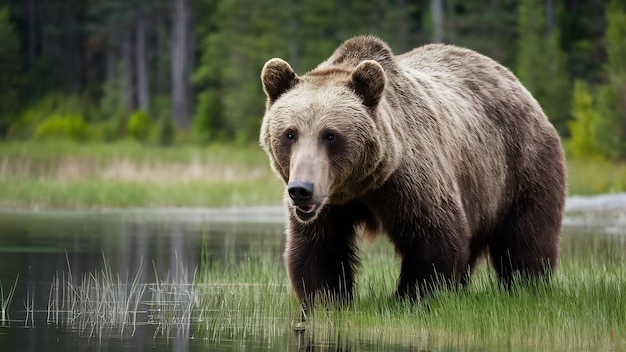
(300, 191)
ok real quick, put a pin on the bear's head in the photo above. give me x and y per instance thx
(323, 132)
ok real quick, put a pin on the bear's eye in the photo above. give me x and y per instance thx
(289, 135)
(329, 137)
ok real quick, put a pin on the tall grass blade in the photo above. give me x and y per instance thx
(5, 302)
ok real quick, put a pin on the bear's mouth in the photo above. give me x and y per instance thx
(307, 209)
(305, 212)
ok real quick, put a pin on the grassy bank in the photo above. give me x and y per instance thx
(127, 174)
(65, 175)
(582, 309)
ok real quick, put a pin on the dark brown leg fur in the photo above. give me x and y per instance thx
(424, 271)
(321, 255)
(432, 258)
(526, 244)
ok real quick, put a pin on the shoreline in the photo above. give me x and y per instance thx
(607, 210)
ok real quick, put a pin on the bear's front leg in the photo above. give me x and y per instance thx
(321, 259)
(431, 265)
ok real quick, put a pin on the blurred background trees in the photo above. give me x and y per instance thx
(153, 70)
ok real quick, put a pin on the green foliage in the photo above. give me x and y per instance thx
(230, 102)
(112, 100)
(612, 96)
(207, 121)
(595, 176)
(53, 104)
(76, 46)
(112, 119)
(583, 142)
(10, 76)
(139, 125)
(164, 133)
(539, 57)
(616, 40)
(64, 127)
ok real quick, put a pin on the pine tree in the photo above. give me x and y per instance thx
(612, 96)
(541, 63)
(583, 143)
(10, 77)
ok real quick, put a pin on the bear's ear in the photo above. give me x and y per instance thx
(277, 77)
(368, 82)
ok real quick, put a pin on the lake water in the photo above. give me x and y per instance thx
(41, 248)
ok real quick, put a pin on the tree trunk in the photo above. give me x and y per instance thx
(451, 35)
(32, 33)
(111, 60)
(163, 47)
(294, 43)
(143, 97)
(402, 32)
(127, 75)
(437, 13)
(549, 16)
(180, 63)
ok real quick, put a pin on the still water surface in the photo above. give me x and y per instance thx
(38, 246)
(148, 244)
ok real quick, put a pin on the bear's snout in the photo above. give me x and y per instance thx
(300, 192)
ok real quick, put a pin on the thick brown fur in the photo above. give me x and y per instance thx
(442, 149)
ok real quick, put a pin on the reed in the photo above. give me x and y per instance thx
(99, 299)
(5, 302)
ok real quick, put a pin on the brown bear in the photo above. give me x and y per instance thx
(441, 148)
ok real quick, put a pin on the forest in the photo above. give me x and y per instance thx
(187, 71)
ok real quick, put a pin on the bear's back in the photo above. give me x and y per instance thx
(467, 89)
(483, 125)
(459, 63)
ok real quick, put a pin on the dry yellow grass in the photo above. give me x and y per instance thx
(126, 170)
(75, 176)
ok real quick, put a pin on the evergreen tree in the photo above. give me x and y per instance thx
(231, 101)
(10, 77)
(208, 121)
(612, 96)
(583, 143)
(541, 63)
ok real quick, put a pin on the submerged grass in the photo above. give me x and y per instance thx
(97, 299)
(248, 298)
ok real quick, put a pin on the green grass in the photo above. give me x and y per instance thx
(583, 308)
(595, 176)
